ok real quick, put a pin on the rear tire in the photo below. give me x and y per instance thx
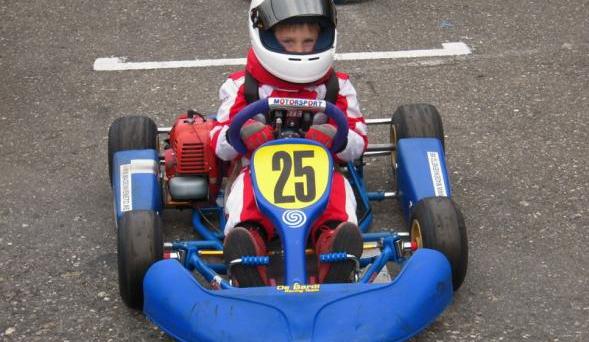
(417, 120)
(139, 245)
(438, 224)
(130, 133)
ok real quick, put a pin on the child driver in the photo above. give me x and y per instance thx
(293, 47)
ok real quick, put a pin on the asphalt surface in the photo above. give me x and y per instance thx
(515, 115)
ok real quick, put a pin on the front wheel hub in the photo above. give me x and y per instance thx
(416, 238)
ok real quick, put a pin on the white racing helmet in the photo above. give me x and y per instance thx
(293, 67)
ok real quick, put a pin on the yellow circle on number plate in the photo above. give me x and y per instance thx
(291, 176)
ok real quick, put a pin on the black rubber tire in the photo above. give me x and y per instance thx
(139, 245)
(339, 2)
(418, 120)
(130, 133)
(442, 228)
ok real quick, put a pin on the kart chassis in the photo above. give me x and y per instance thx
(394, 246)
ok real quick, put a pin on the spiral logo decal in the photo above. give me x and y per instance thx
(294, 218)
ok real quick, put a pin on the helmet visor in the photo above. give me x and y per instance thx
(271, 12)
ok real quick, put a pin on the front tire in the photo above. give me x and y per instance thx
(437, 223)
(139, 245)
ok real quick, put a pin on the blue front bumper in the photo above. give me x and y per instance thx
(395, 311)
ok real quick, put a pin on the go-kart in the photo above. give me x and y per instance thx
(184, 288)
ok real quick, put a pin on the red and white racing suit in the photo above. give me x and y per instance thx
(241, 205)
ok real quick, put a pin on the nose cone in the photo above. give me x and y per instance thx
(396, 311)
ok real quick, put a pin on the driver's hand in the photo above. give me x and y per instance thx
(323, 133)
(254, 133)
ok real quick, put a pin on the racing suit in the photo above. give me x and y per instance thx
(240, 205)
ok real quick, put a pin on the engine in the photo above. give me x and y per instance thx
(192, 176)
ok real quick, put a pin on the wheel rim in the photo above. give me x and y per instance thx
(416, 234)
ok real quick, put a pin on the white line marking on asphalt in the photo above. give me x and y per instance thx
(448, 49)
(119, 64)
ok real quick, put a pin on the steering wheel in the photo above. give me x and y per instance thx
(263, 106)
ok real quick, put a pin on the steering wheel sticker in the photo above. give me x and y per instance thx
(294, 218)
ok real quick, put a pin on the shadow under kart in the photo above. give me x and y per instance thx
(432, 256)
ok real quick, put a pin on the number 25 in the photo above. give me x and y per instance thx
(284, 159)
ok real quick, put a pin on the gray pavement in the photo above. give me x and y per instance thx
(515, 114)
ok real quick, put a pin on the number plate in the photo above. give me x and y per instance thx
(291, 176)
